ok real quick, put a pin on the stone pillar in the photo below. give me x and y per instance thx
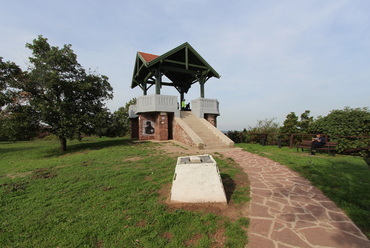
(162, 126)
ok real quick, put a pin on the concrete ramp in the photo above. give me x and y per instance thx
(211, 137)
(197, 180)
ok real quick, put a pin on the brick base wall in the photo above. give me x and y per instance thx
(153, 126)
(162, 126)
(180, 135)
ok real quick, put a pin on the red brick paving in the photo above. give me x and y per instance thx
(287, 211)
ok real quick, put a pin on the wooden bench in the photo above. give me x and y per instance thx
(329, 146)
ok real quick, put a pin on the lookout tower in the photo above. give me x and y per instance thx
(163, 117)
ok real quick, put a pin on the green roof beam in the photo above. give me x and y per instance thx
(186, 64)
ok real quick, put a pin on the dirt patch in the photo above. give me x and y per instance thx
(167, 235)
(133, 159)
(13, 187)
(230, 210)
(193, 241)
(43, 173)
(177, 149)
(142, 223)
(87, 163)
(219, 237)
(16, 175)
(107, 188)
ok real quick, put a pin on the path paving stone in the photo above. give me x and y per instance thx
(287, 211)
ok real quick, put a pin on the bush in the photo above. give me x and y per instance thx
(346, 122)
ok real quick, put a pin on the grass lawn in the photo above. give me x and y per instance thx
(344, 179)
(108, 193)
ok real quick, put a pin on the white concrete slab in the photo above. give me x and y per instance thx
(197, 179)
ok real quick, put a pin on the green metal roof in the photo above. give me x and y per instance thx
(183, 66)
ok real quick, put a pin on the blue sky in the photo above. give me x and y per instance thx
(274, 57)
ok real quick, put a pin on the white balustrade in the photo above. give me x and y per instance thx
(155, 103)
(201, 106)
(166, 103)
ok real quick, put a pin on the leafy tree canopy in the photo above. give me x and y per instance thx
(290, 124)
(293, 125)
(345, 122)
(18, 122)
(11, 76)
(116, 124)
(267, 125)
(66, 97)
(121, 118)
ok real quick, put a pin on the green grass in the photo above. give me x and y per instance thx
(104, 193)
(344, 179)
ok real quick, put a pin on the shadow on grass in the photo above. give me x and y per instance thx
(229, 185)
(15, 149)
(84, 146)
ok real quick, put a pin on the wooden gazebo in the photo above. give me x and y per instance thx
(154, 115)
(183, 66)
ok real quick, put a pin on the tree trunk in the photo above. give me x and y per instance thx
(367, 160)
(63, 144)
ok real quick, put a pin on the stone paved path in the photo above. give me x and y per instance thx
(287, 211)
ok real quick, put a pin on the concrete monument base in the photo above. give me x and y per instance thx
(197, 180)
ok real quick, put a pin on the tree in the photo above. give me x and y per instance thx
(305, 122)
(345, 122)
(290, 124)
(265, 126)
(18, 122)
(66, 97)
(116, 124)
(11, 76)
(103, 123)
(121, 118)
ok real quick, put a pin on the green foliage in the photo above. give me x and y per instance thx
(305, 122)
(292, 125)
(120, 119)
(18, 122)
(10, 77)
(344, 179)
(237, 136)
(346, 122)
(113, 125)
(102, 124)
(102, 192)
(265, 126)
(67, 98)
